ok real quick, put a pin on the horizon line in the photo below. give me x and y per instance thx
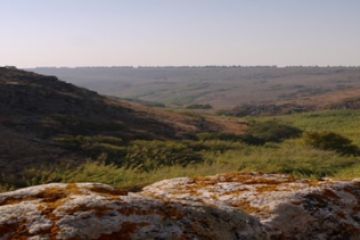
(186, 66)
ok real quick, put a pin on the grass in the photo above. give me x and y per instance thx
(119, 177)
(291, 157)
(209, 155)
(344, 122)
(349, 172)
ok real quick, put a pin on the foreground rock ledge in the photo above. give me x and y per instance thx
(229, 206)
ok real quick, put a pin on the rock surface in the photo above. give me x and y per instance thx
(229, 206)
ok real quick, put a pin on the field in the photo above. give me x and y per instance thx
(144, 162)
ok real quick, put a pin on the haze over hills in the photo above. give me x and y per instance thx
(221, 87)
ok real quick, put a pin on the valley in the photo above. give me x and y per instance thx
(219, 88)
(63, 133)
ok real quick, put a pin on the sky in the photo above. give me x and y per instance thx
(179, 32)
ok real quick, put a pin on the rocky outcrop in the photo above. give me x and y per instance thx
(287, 208)
(229, 206)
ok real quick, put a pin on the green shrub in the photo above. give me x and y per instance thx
(78, 141)
(214, 145)
(272, 131)
(5, 187)
(148, 155)
(199, 106)
(246, 138)
(331, 141)
(112, 148)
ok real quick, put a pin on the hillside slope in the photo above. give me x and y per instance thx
(342, 99)
(46, 106)
(36, 109)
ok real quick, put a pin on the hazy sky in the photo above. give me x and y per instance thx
(179, 32)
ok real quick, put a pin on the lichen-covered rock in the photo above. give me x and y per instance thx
(229, 206)
(97, 211)
(288, 208)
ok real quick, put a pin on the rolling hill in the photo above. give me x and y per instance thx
(36, 111)
(338, 100)
(220, 87)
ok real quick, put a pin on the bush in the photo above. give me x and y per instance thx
(272, 131)
(79, 140)
(94, 146)
(331, 141)
(144, 155)
(149, 155)
(199, 106)
(246, 138)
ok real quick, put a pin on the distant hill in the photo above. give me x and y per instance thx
(342, 99)
(46, 106)
(218, 87)
(35, 110)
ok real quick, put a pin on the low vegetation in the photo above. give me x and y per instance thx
(298, 144)
(273, 131)
(199, 106)
(77, 135)
(331, 141)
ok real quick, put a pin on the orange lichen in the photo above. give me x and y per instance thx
(235, 192)
(108, 192)
(247, 207)
(52, 199)
(313, 183)
(267, 188)
(11, 200)
(72, 188)
(51, 194)
(155, 204)
(47, 210)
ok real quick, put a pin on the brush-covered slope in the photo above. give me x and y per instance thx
(46, 106)
(36, 110)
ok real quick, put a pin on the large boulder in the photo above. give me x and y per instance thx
(229, 206)
(287, 208)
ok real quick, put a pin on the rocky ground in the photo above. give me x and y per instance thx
(230, 206)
